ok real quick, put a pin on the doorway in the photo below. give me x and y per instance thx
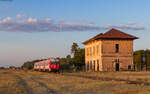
(117, 66)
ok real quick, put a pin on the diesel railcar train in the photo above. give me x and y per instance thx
(51, 65)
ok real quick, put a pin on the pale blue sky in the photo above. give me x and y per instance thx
(69, 21)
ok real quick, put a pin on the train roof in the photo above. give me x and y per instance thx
(52, 59)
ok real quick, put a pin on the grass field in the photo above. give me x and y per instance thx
(31, 82)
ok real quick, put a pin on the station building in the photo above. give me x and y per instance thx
(111, 51)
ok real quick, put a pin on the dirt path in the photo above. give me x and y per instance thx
(24, 79)
(49, 90)
(25, 85)
(110, 79)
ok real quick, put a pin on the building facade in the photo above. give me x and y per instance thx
(111, 51)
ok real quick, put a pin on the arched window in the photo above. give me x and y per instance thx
(117, 64)
(94, 65)
(97, 65)
(88, 65)
(129, 67)
(91, 65)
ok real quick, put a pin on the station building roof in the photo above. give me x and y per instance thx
(112, 34)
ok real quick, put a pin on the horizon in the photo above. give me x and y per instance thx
(29, 31)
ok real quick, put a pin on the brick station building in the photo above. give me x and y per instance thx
(111, 51)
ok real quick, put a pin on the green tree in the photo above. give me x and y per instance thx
(2, 67)
(68, 59)
(74, 48)
(79, 58)
(147, 53)
(66, 64)
(29, 64)
(138, 60)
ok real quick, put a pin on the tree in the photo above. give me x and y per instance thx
(30, 64)
(79, 58)
(2, 67)
(12, 67)
(74, 48)
(138, 59)
(68, 59)
(66, 64)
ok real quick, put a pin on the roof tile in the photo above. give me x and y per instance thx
(112, 34)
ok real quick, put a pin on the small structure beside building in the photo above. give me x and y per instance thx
(111, 51)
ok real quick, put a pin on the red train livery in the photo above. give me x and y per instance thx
(47, 65)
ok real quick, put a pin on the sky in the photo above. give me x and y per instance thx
(36, 29)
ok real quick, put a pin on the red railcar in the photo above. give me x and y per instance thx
(47, 65)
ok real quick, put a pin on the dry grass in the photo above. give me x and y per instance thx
(9, 84)
(24, 82)
(133, 76)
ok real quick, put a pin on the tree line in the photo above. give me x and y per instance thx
(142, 60)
